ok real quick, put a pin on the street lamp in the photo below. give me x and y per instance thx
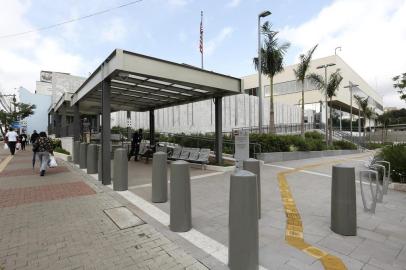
(351, 85)
(325, 94)
(335, 50)
(260, 108)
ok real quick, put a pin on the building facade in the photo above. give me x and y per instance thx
(37, 121)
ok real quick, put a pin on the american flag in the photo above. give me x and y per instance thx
(201, 34)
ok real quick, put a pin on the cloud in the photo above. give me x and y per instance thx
(372, 34)
(214, 43)
(115, 31)
(23, 57)
(233, 3)
(179, 2)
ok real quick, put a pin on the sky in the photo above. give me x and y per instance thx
(372, 34)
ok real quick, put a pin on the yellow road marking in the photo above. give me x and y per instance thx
(5, 162)
(294, 226)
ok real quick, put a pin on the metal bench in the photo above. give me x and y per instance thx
(176, 153)
(201, 157)
(184, 155)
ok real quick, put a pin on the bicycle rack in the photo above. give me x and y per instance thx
(378, 184)
(374, 194)
(387, 176)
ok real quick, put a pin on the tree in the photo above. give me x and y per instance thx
(300, 74)
(363, 107)
(400, 83)
(384, 119)
(368, 115)
(21, 111)
(272, 54)
(332, 86)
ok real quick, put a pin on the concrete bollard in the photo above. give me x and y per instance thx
(254, 166)
(243, 222)
(343, 201)
(92, 156)
(120, 180)
(159, 178)
(180, 203)
(76, 152)
(99, 163)
(83, 156)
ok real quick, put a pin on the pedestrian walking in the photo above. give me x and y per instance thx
(12, 137)
(34, 137)
(23, 140)
(43, 147)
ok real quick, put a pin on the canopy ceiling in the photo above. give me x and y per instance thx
(142, 83)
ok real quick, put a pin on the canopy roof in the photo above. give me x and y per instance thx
(142, 83)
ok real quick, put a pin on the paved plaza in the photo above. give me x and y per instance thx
(58, 221)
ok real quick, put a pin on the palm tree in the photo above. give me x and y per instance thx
(363, 107)
(332, 87)
(300, 73)
(272, 54)
(368, 115)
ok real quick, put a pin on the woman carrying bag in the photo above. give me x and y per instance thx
(43, 148)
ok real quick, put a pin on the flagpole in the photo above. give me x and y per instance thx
(201, 35)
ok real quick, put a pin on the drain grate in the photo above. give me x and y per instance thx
(123, 217)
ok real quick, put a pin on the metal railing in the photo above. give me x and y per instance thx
(279, 128)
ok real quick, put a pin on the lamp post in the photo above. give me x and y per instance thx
(260, 108)
(351, 85)
(325, 94)
(337, 48)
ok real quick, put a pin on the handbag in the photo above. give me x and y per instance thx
(52, 162)
(18, 146)
(5, 146)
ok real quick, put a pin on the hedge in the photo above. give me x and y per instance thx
(396, 155)
(313, 141)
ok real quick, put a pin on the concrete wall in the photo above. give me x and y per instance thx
(67, 144)
(39, 120)
(199, 116)
(285, 156)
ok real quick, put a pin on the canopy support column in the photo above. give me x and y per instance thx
(106, 132)
(63, 131)
(57, 122)
(218, 130)
(76, 122)
(152, 128)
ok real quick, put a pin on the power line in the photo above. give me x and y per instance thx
(69, 21)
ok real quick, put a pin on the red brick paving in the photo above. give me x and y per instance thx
(18, 196)
(30, 171)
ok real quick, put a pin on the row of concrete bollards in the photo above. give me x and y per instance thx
(88, 156)
(244, 207)
(244, 210)
(244, 201)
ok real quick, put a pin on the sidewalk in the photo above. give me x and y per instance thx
(58, 222)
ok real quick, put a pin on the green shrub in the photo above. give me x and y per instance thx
(314, 135)
(56, 143)
(61, 150)
(344, 145)
(396, 155)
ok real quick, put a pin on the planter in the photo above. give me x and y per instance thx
(286, 156)
(63, 156)
(398, 187)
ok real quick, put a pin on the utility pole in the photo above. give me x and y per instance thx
(325, 96)
(351, 85)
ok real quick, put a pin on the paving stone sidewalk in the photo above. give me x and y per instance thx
(57, 222)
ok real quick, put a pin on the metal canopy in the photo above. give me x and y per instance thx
(142, 83)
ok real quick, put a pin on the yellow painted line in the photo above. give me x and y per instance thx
(294, 226)
(4, 162)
